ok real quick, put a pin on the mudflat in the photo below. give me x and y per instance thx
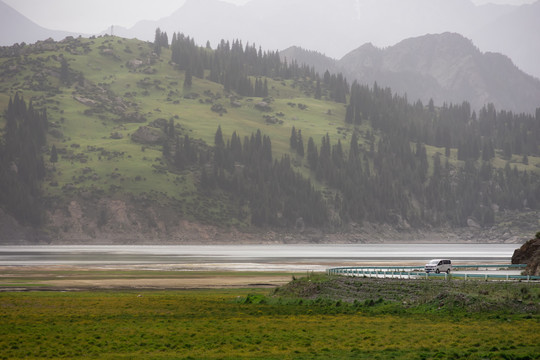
(72, 278)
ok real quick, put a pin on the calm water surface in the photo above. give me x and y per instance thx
(251, 257)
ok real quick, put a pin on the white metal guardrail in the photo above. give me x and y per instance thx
(416, 272)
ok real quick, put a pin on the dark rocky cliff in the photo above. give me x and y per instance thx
(529, 254)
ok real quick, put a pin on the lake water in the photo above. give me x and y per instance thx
(251, 257)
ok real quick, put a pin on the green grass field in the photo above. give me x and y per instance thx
(256, 324)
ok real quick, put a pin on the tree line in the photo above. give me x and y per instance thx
(245, 69)
(22, 167)
(391, 182)
(275, 194)
(476, 136)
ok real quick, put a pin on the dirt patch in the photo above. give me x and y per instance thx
(63, 278)
(175, 283)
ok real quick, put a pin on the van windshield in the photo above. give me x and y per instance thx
(433, 262)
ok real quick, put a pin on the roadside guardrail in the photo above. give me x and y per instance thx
(417, 272)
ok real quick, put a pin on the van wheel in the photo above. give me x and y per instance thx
(437, 271)
(448, 271)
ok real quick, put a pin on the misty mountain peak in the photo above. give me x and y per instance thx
(445, 67)
(443, 40)
(206, 4)
(16, 28)
(333, 27)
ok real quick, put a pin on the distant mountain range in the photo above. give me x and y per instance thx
(16, 28)
(445, 67)
(336, 27)
(515, 34)
(331, 27)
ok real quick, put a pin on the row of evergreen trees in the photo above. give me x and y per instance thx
(276, 194)
(22, 168)
(448, 195)
(476, 136)
(392, 183)
(389, 181)
(235, 66)
(161, 40)
(183, 152)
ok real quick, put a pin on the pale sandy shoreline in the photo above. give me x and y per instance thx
(161, 276)
(165, 276)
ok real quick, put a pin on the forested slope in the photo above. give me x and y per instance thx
(171, 141)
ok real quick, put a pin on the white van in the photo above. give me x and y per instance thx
(438, 266)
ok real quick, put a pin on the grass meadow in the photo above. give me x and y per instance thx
(250, 324)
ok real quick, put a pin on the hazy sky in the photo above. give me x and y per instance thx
(97, 15)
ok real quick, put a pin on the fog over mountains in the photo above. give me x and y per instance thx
(444, 67)
(16, 28)
(334, 28)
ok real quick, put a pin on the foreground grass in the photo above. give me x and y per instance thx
(252, 324)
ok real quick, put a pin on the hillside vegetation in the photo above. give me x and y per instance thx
(187, 143)
(449, 296)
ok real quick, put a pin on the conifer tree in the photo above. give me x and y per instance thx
(157, 41)
(188, 80)
(312, 154)
(349, 114)
(179, 155)
(54, 155)
(488, 152)
(327, 78)
(166, 150)
(265, 88)
(169, 129)
(21, 163)
(300, 144)
(318, 91)
(218, 137)
(293, 139)
(65, 77)
(354, 151)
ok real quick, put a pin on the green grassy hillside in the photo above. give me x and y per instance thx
(116, 98)
(111, 87)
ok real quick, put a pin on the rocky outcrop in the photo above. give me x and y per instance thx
(108, 221)
(148, 135)
(529, 254)
(263, 106)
